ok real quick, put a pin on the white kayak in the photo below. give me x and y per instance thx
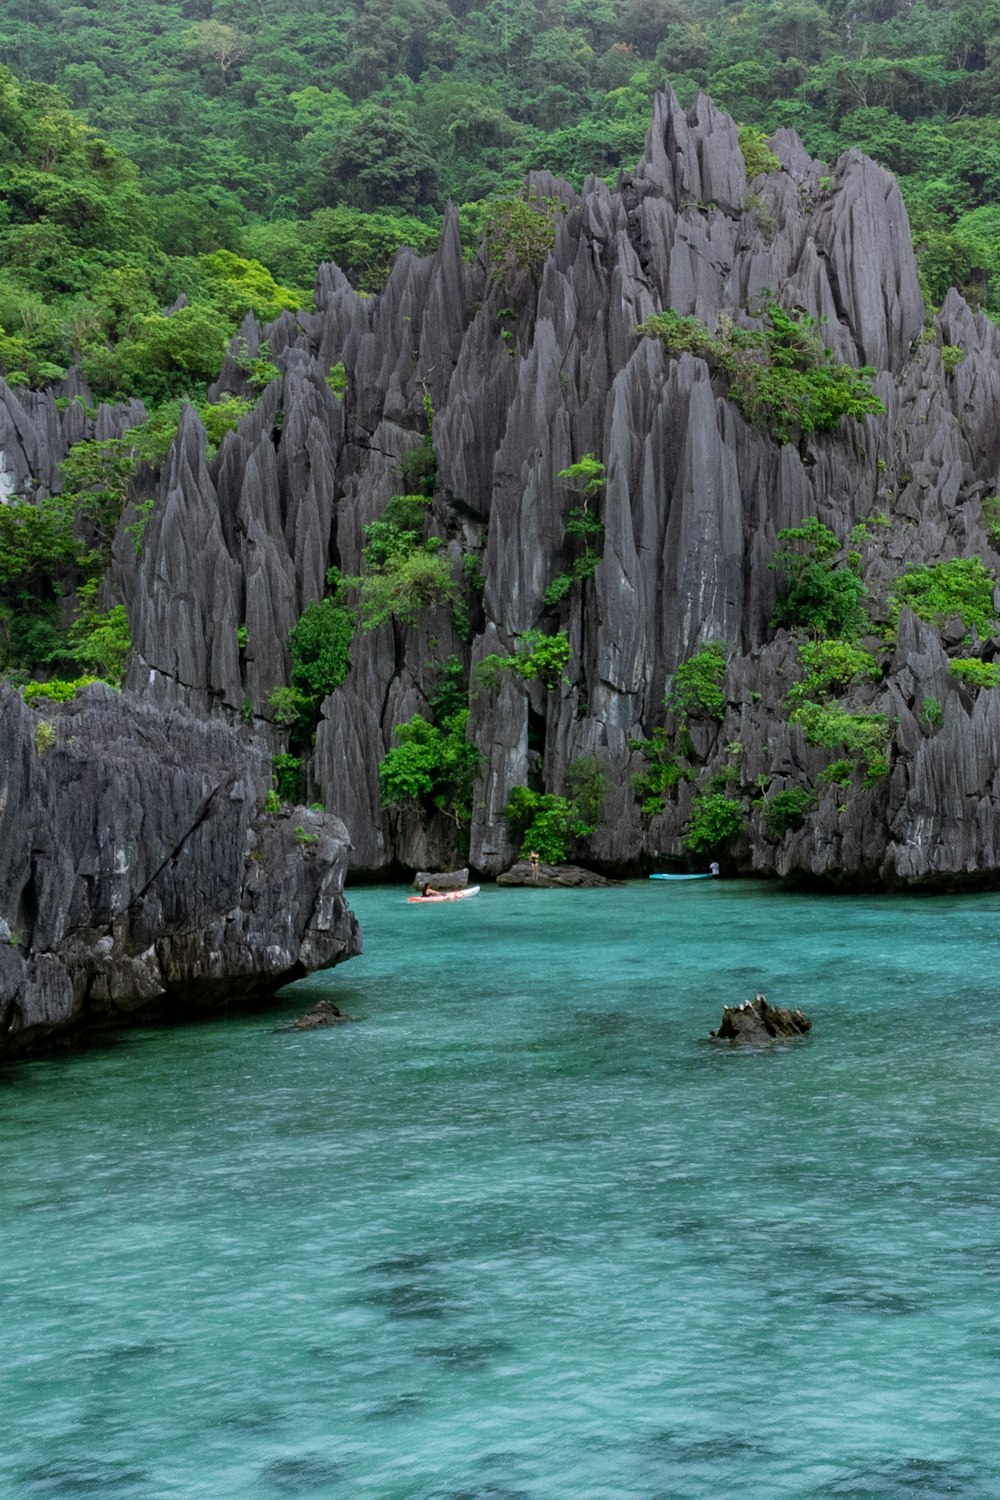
(706, 876)
(470, 890)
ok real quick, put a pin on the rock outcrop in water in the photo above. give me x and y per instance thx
(525, 377)
(755, 1023)
(139, 876)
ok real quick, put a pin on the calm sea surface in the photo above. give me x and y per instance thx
(520, 1231)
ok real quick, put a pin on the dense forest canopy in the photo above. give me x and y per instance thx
(267, 128)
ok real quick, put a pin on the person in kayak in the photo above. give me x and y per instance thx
(428, 890)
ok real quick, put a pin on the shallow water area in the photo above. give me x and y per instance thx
(520, 1229)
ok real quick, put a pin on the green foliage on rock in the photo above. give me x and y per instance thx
(830, 666)
(716, 818)
(320, 648)
(547, 823)
(286, 772)
(56, 690)
(757, 154)
(433, 764)
(864, 734)
(787, 810)
(780, 376)
(697, 685)
(538, 658)
(664, 769)
(520, 232)
(819, 595)
(584, 528)
(938, 591)
(977, 673)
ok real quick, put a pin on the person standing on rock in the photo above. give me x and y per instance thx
(533, 858)
(714, 870)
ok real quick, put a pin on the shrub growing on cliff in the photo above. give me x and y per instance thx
(546, 823)
(937, 591)
(757, 154)
(715, 819)
(819, 595)
(664, 770)
(697, 685)
(830, 667)
(864, 735)
(320, 648)
(433, 764)
(780, 376)
(584, 528)
(538, 658)
(520, 232)
(787, 810)
(978, 674)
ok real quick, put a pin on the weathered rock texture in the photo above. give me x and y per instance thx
(755, 1023)
(526, 379)
(139, 876)
(566, 877)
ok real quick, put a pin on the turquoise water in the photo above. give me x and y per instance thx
(520, 1231)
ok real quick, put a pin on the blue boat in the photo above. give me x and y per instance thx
(705, 876)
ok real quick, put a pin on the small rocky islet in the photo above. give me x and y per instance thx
(141, 872)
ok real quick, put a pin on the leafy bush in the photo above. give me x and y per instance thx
(787, 810)
(830, 666)
(664, 772)
(757, 154)
(56, 690)
(45, 736)
(99, 640)
(715, 819)
(433, 764)
(818, 596)
(865, 735)
(294, 711)
(978, 674)
(780, 376)
(520, 233)
(286, 771)
(933, 713)
(586, 784)
(320, 648)
(677, 334)
(583, 527)
(697, 685)
(546, 823)
(405, 586)
(337, 380)
(936, 591)
(837, 773)
(418, 465)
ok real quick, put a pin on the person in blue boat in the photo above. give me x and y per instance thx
(714, 870)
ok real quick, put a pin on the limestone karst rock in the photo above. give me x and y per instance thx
(139, 876)
(523, 378)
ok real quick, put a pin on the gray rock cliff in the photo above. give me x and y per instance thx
(139, 876)
(524, 378)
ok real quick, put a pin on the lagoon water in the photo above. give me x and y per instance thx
(520, 1231)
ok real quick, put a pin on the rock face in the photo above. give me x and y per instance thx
(756, 1023)
(569, 877)
(139, 876)
(524, 378)
(443, 880)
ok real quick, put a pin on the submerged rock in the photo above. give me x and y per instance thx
(139, 875)
(756, 1022)
(323, 1013)
(573, 877)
